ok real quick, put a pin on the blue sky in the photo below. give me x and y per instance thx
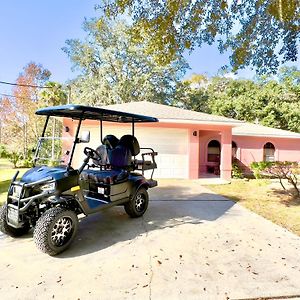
(36, 30)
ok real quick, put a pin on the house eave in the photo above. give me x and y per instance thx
(267, 135)
(204, 122)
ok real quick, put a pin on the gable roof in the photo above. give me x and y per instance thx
(167, 113)
(248, 129)
(171, 114)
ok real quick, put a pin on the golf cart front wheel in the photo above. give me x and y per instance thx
(138, 204)
(9, 230)
(55, 230)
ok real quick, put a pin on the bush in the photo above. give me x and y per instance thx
(27, 163)
(14, 157)
(3, 152)
(237, 171)
(288, 170)
(258, 168)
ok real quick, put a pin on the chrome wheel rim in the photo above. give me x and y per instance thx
(61, 231)
(140, 202)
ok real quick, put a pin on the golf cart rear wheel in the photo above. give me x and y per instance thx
(55, 230)
(138, 204)
(9, 230)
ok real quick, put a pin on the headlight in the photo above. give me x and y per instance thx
(16, 191)
(49, 187)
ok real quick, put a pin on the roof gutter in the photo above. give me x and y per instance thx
(267, 135)
(204, 122)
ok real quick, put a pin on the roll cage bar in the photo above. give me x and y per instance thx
(81, 112)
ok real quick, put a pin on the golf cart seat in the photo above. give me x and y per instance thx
(128, 147)
(104, 176)
(120, 158)
(109, 142)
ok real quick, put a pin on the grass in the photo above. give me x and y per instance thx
(6, 174)
(265, 198)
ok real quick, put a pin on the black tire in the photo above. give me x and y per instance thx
(9, 230)
(138, 204)
(55, 230)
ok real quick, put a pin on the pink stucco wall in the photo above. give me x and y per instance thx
(251, 148)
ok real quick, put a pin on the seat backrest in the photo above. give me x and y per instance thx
(102, 151)
(130, 142)
(110, 141)
(121, 156)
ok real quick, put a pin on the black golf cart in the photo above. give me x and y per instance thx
(51, 195)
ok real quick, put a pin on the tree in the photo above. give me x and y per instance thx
(262, 34)
(282, 170)
(6, 116)
(23, 124)
(271, 102)
(53, 94)
(192, 93)
(114, 70)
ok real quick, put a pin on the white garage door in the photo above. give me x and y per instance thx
(171, 145)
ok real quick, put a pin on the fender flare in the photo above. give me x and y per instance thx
(139, 184)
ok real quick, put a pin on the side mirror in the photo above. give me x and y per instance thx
(85, 137)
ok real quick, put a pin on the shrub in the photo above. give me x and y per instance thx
(14, 157)
(288, 170)
(237, 171)
(27, 163)
(3, 152)
(258, 168)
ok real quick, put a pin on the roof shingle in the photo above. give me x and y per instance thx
(161, 112)
(167, 113)
(249, 129)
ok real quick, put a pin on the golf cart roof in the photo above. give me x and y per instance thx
(93, 113)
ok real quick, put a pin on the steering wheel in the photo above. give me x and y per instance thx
(91, 153)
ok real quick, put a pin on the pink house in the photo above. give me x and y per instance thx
(194, 144)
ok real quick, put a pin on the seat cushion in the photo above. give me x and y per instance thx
(104, 176)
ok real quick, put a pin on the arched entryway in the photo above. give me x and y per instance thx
(234, 149)
(213, 157)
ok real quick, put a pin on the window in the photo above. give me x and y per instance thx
(269, 152)
(234, 149)
(213, 151)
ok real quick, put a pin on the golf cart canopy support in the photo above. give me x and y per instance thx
(81, 112)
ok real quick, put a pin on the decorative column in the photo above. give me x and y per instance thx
(193, 153)
(226, 154)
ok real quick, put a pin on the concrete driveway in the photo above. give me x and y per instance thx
(191, 244)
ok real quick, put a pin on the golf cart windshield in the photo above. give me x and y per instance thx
(55, 146)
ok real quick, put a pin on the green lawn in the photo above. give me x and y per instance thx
(6, 174)
(266, 199)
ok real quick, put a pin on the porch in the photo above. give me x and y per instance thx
(210, 153)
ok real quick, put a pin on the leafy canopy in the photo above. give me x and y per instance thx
(20, 125)
(114, 70)
(274, 103)
(260, 33)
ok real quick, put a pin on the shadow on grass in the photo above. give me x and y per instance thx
(287, 197)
